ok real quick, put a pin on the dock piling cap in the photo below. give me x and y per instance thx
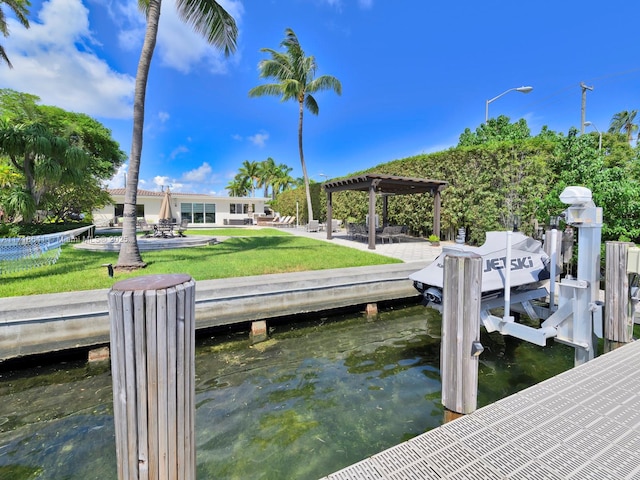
(151, 282)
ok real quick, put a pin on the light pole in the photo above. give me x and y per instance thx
(591, 124)
(518, 89)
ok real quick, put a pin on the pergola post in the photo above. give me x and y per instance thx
(436, 212)
(372, 215)
(385, 210)
(329, 216)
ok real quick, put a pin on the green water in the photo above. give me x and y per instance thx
(309, 401)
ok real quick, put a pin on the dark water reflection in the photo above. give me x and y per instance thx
(305, 403)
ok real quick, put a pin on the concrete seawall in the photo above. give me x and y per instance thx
(44, 323)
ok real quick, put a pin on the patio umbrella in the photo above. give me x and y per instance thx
(165, 207)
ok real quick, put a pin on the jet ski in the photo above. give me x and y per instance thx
(529, 266)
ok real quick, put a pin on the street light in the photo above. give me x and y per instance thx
(518, 89)
(590, 124)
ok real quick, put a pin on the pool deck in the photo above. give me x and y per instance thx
(582, 424)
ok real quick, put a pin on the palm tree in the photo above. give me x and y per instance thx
(19, 8)
(239, 186)
(295, 73)
(623, 121)
(219, 28)
(251, 172)
(282, 180)
(266, 172)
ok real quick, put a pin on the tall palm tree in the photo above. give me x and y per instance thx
(295, 73)
(21, 11)
(623, 122)
(219, 28)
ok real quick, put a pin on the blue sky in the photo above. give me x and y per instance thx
(414, 75)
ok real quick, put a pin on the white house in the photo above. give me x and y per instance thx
(201, 210)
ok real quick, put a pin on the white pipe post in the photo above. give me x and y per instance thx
(507, 280)
(552, 271)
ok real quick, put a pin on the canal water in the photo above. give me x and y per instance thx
(313, 399)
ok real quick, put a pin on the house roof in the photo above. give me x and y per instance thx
(152, 193)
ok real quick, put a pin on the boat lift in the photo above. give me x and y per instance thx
(573, 314)
(577, 318)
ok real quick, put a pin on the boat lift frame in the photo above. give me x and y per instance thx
(577, 318)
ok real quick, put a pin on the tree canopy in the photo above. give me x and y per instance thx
(57, 160)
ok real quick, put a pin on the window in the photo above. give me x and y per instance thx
(186, 212)
(119, 210)
(241, 208)
(198, 212)
(209, 213)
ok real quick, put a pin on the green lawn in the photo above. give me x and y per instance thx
(249, 252)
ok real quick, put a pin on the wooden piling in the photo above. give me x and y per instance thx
(258, 332)
(371, 309)
(460, 331)
(618, 314)
(153, 373)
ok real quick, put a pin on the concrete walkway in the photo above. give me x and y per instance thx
(417, 250)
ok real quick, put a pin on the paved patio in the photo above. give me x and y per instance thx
(417, 250)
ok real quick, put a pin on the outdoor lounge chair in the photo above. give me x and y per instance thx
(284, 222)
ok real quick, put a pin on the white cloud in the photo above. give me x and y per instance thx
(118, 180)
(163, 117)
(259, 139)
(177, 151)
(200, 174)
(161, 180)
(365, 4)
(54, 60)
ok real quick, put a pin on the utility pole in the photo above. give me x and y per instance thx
(583, 110)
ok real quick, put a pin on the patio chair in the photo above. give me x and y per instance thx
(144, 227)
(313, 226)
(182, 227)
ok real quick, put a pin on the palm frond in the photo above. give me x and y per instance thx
(311, 104)
(325, 82)
(267, 89)
(212, 21)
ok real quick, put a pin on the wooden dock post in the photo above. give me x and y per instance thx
(461, 331)
(153, 370)
(618, 314)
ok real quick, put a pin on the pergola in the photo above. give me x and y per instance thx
(385, 185)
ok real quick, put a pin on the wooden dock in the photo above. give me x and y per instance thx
(582, 424)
